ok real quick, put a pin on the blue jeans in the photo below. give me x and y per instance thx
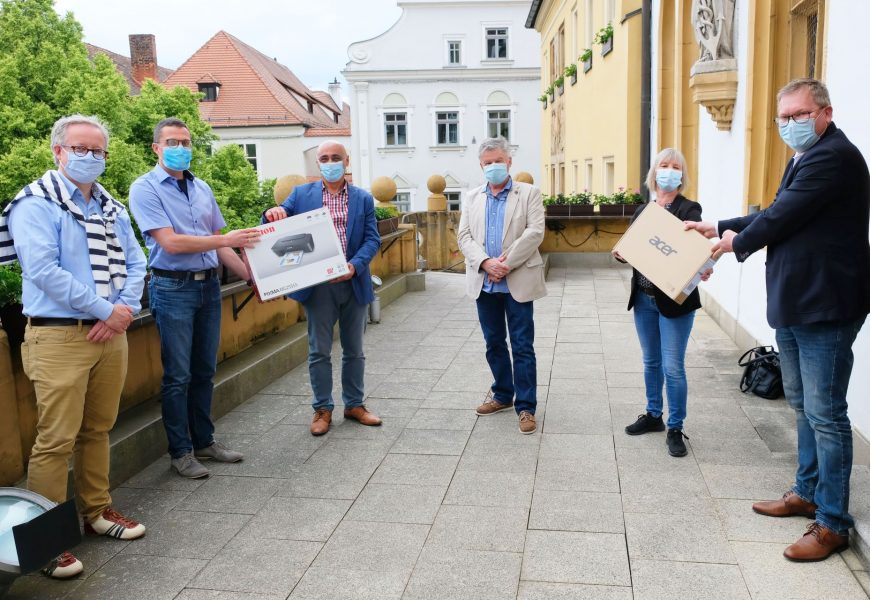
(188, 317)
(330, 303)
(816, 365)
(522, 379)
(663, 342)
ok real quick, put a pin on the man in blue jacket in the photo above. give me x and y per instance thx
(345, 299)
(818, 295)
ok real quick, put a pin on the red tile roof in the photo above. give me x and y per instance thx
(125, 66)
(326, 132)
(254, 90)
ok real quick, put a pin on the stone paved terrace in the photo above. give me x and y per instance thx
(439, 503)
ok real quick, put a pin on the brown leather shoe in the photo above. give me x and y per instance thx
(527, 422)
(790, 505)
(321, 421)
(818, 543)
(362, 415)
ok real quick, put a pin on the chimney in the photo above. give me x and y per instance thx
(335, 92)
(143, 57)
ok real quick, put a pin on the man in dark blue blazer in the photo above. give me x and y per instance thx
(818, 295)
(344, 300)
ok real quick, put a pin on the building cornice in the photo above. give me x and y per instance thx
(402, 75)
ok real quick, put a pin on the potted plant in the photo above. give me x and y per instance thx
(630, 201)
(11, 317)
(543, 99)
(608, 206)
(586, 59)
(604, 38)
(556, 206)
(560, 84)
(551, 92)
(388, 220)
(581, 204)
(571, 71)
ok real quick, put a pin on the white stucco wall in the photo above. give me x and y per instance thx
(279, 148)
(848, 62)
(740, 288)
(410, 59)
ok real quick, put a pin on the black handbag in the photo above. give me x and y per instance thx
(761, 372)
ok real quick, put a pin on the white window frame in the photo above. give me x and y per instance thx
(398, 205)
(575, 169)
(609, 12)
(447, 109)
(589, 25)
(389, 111)
(456, 191)
(590, 174)
(575, 30)
(496, 25)
(409, 131)
(510, 119)
(608, 175)
(459, 62)
(257, 157)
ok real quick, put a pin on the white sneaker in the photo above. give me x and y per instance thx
(113, 524)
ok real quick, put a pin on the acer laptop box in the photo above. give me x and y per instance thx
(658, 246)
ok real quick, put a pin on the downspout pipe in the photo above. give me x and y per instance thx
(645, 94)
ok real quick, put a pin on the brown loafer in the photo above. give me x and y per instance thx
(362, 415)
(321, 421)
(818, 543)
(527, 422)
(790, 505)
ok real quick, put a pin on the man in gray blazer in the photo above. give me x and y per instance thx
(501, 227)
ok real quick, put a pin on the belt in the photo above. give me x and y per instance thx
(185, 275)
(58, 322)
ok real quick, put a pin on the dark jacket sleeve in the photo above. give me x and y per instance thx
(812, 190)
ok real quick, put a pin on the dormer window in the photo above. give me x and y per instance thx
(209, 91)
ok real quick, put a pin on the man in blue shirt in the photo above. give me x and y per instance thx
(83, 274)
(181, 222)
(501, 227)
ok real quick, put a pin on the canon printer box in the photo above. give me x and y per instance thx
(296, 253)
(658, 245)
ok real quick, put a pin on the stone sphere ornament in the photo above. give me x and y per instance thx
(285, 185)
(384, 190)
(437, 201)
(524, 177)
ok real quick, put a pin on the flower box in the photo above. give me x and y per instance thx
(388, 226)
(610, 210)
(587, 65)
(558, 210)
(574, 79)
(607, 47)
(582, 210)
(630, 209)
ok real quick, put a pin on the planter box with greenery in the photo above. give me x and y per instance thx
(622, 203)
(573, 205)
(551, 92)
(543, 100)
(560, 85)
(586, 59)
(11, 317)
(571, 71)
(604, 38)
(388, 220)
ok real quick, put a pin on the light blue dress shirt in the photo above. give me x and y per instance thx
(495, 213)
(52, 248)
(157, 201)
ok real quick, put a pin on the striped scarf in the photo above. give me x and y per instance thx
(106, 254)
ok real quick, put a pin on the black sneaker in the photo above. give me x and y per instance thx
(644, 424)
(676, 445)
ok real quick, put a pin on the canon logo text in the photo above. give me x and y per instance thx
(662, 246)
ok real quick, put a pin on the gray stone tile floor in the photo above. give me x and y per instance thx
(439, 503)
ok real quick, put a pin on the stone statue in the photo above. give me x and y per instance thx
(713, 24)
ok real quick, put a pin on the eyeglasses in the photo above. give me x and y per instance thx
(173, 143)
(98, 153)
(801, 117)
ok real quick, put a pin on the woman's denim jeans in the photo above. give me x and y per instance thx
(663, 342)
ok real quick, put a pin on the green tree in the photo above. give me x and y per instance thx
(233, 180)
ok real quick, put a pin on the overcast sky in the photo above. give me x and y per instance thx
(309, 36)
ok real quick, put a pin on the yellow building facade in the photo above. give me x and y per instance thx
(591, 131)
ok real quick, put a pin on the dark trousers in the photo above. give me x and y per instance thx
(499, 315)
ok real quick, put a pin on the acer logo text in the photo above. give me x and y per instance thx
(662, 246)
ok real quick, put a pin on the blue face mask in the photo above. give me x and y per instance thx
(84, 169)
(799, 136)
(496, 173)
(177, 158)
(332, 172)
(668, 180)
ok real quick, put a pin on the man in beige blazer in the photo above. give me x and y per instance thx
(501, 227)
